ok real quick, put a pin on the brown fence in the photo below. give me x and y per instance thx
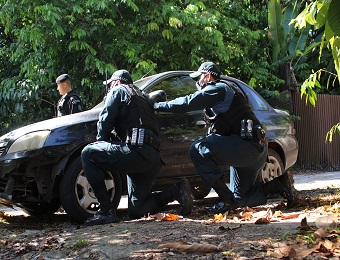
(311, 130)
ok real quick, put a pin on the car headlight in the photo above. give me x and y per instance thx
(29, 141)
(3, 144)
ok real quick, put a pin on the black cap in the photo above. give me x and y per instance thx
(206, 67)
(62, 78)
(122, 75)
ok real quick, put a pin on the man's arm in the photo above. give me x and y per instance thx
(198, 100)
(75, 105)
(109, 114)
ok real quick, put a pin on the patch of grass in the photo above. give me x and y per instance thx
(285, 237)
(307, 238)
(228, 253)
(78, 244)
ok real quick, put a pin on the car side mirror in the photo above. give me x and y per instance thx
(157, 96)
(201, 124)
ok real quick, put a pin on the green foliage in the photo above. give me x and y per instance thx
(335, 129)
(275, 29)
(88, 38)
(322, 13)
(289, 45)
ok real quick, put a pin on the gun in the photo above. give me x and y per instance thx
(157, 96)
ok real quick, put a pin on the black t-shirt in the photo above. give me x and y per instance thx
(69, 104)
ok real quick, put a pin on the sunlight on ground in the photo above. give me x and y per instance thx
(302, 182)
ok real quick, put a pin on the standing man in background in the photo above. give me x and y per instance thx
(70, 102)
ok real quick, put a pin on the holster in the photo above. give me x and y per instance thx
(155, 143)
(259, 138)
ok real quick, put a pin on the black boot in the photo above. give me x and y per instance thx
(226, 197)
(283, 185)
(181, 192)
(107, 213)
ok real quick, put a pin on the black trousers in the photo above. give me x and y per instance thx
(140, 164)
(213, 151)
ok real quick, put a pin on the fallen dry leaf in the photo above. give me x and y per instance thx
(222, 228)
(218, 216)
(250, 209)
(284, 252)
(166, 217)
(245, 215)
(262, 221)
(188, 247)
(322, 232)
(304, 225)
(281, 205)
(277, 214)
(302, 253)
(329, 245)
(291, 216)
(265, 219)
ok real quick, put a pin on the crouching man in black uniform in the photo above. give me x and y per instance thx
(128, 142)
(235, 138)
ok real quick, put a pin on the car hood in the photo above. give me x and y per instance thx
(54, 123)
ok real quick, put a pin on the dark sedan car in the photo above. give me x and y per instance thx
(40, 168)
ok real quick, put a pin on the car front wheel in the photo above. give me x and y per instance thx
(77, 196)
(274, 168)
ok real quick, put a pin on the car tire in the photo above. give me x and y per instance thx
(40, 209)
(274, 168)
(77, 196)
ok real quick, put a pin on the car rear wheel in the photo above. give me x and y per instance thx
(77, 196)
(274, 168)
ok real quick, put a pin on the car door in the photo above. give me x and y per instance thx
(178, 131)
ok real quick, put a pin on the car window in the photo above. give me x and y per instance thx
(255, 99)
(175, 87)
(258, 102)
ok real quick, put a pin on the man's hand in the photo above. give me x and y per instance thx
(157, 96)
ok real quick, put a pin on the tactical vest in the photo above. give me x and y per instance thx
(229, 122)
(136, 113)
(63, 103)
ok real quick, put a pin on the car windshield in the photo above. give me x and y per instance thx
(137, 83)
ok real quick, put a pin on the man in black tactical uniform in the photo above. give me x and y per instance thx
(70, 102)
(235, 138)
(128, 142)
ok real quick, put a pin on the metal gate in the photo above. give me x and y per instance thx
(311, 130)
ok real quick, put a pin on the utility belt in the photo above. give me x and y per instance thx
(254, 133)
(248, 131)
(141, 136)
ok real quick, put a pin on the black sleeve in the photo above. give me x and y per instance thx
(74, 105)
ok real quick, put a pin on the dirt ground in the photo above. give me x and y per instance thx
(268, 232)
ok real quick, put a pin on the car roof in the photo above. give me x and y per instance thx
(143, 82)
(257, 101)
